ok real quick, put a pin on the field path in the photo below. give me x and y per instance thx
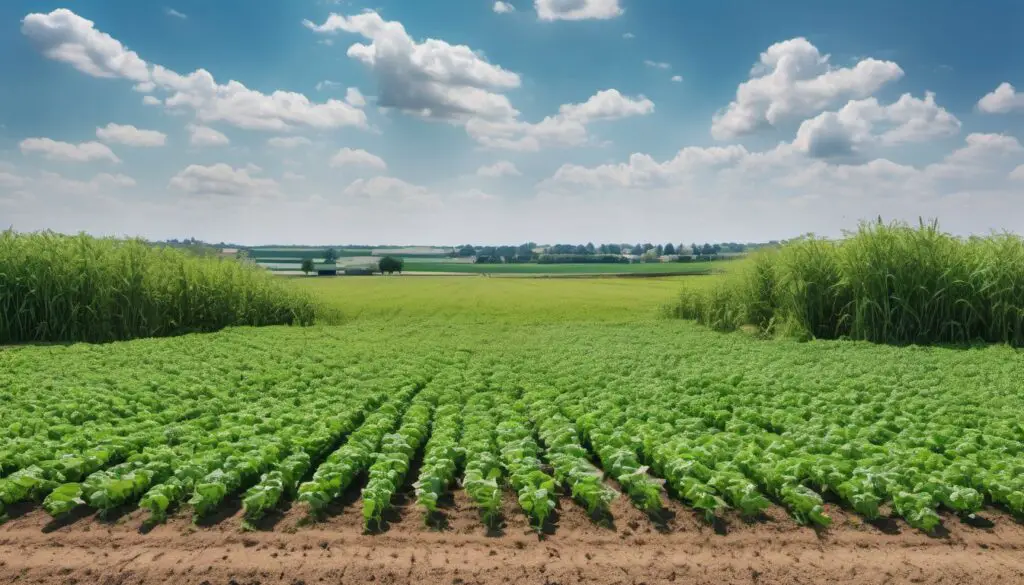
(634, 551)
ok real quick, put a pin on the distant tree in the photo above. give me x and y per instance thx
(637, 250)
(659, 249)
(390, 265)
(467, 251)
(648, 246)
(716, 249)
(650, 256)
(590, 248)
(614, 249)
(330, 255)
(696, 249)
(707, 250)
(670, 250)
(307, 266)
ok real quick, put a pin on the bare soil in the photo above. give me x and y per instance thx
(628, 548)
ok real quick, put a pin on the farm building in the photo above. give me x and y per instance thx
(326, 268)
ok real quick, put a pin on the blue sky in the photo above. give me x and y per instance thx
(391, 121)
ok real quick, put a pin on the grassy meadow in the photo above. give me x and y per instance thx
(505, 300)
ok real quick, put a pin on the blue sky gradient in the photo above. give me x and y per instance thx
(645, 160)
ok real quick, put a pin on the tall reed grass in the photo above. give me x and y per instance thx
(79, 288)
(887, 283)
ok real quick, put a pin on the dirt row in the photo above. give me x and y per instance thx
(629, 548)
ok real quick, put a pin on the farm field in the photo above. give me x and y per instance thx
(415, 265)
(607, 446)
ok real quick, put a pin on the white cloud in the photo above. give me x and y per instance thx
(577, 9)
(240, 106)
(11, 181)
(48, 186)
(473, 195)
(151, 100)
(64, 36)
(641, 170)
(792, 80)
(1017, 174)
(567, 128)
(628, 36)
(677, 78)
(499, 169)
(289, 141)
(983, 155)
(657, 64)
(1002, 100)
(390, 190)
(503, 7)
(65, 151)
(845, 131)
(206, 136)
(172, 12)
(130, 136)
(355, 97)
(432, 79)
(326, 84)
(221, 179)
(290, 176)
(357, 157)
(607, 104)
(144, 87)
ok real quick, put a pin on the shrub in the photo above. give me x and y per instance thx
(888, 283)
(79, 288)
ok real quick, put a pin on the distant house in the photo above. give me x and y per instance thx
(326, 268)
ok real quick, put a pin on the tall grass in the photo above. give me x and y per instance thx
(79, 288)
(887, 283)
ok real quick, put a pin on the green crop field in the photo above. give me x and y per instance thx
(551, 391)
(568, 269)
(441, 300)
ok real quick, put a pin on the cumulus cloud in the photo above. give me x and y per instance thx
(642, 170)
(503, 7)
(172, 12)
(390, 190)
(64, 36)
(567, 128)
(289, 142)
(326, 84)
(150, 100)
(657, 64)
(355, 97)
(432, 78)
(206, 136)
(792, 80)
(65, 151)
(577, 9)
(502, 168)
(1002, 100)
(677, 78)
(221, 179)
(866, 121)
(357, 157)
(1017, 174)
(130, 135)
